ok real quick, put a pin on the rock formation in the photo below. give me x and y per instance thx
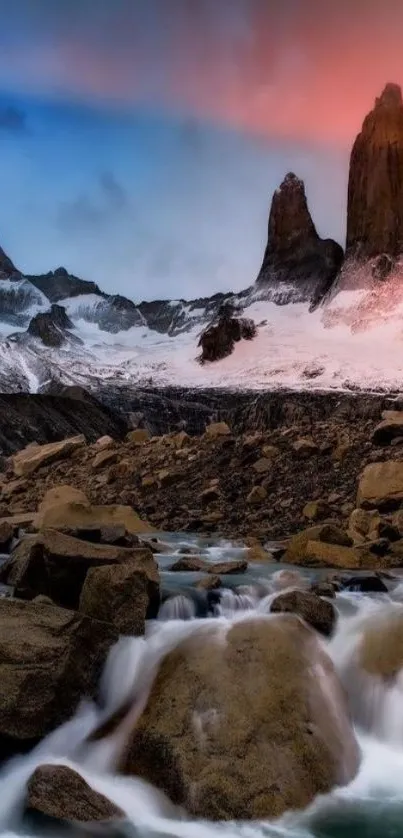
(375, 192)
(296, 257)
(51, 326)
(219, 339)
(7, 269)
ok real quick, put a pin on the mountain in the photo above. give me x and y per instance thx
(315, 318)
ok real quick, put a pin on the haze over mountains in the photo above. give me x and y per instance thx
(324, 318)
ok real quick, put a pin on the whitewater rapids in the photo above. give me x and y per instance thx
(371, 806)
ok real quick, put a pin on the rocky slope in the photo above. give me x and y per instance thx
(282, 464)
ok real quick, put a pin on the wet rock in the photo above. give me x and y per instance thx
(226, 763)
(50, 658)
(324, 589)
(380, 652)
(31, 459)
(6, 536)
(317, 612)
(56, 565)
(58, 792)
(284, 579)
(209, 583)
(196, 565)
(123, 594)
(381, 485)
(365, 584)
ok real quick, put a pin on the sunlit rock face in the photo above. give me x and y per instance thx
(375, 194)
(298, 265)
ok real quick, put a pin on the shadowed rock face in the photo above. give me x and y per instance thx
(219, 339)
(51, 326)
(375, 194)
(295, 255)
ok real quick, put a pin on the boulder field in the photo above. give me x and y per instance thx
(344, 470)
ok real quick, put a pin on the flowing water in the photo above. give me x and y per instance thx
(370, 807)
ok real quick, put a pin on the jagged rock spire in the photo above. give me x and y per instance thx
(375, 193)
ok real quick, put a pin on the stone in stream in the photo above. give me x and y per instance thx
(123, 594)
(195, 565)
(50, 659)
(316, 611)
(247, 728)
(60, 793)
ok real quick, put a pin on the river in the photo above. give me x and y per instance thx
(370, 807)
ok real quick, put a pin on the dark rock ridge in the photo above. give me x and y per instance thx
(51, 326)
(34, 418)
(7, 269)
(219, 339)
(297, 262)
(375, 192)
(60, 284)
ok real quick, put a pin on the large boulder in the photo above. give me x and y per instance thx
(50, 659)
(58, 792)
(123, 594)
(33, 457)
(56, 565)
(219, 339)
(389, 429)
(298, 265)
(380, 651)
(247, 728)
(64, 507)
(296, 552)
(195, 565)
(375, 207)
(319, 613)
(381, 485)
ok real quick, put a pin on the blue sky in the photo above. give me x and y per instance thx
(141, 140)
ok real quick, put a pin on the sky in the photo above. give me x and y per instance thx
(141, 140)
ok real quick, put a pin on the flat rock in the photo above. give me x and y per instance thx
(32, 458)
(65, 507)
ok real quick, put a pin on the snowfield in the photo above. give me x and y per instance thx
(353, 342)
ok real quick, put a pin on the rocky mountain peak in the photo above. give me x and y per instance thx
(7, 268)
(375, 194)
(296, 258)
(391, 97)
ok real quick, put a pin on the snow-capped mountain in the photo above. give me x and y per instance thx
(314, 318)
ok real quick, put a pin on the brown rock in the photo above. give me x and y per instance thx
(66, 507)
(139, 436)
(209, 583)
(284, 579)
(326, 533)
(364, 525)
(295, 255)
(392, 426)
(315, 509)
(381, 485)
(305, 447)
(210, 495)
(262, 466)
(274, 738)
(314, 610)
(60, 793)
(375, 211)
(217, 429)
(33, 458)
(193, 564)
(103, 443)
(50, 658)
(104, 459)
(320, 554)
(56, 565)
(381, 648)
(123, 594)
